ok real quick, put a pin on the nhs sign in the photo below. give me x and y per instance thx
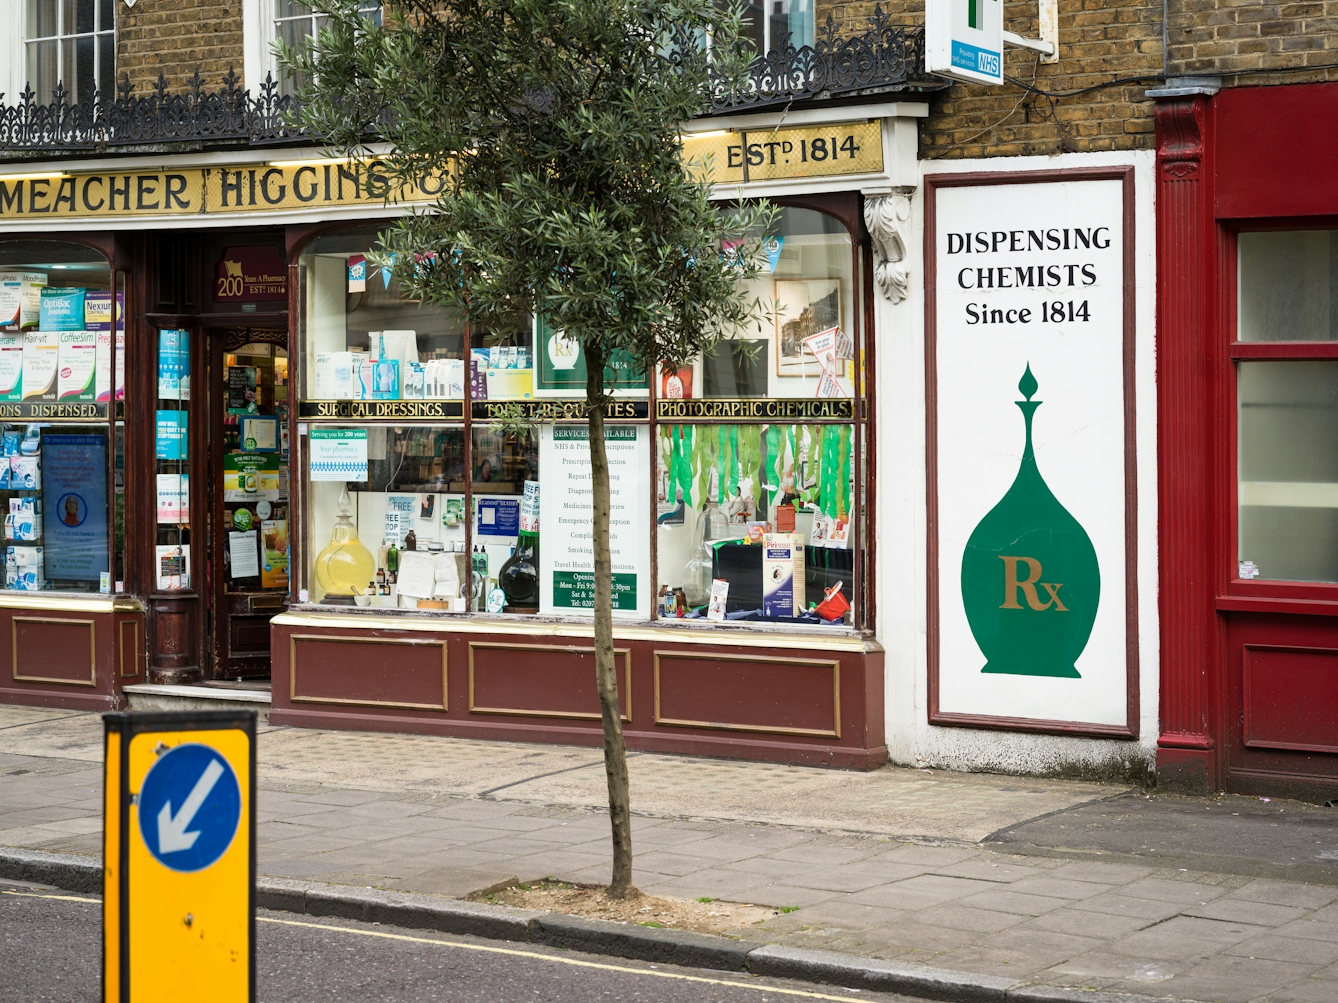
(964, 39)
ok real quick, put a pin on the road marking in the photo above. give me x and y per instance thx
(576, 962)
(58, 898)
(564, 961)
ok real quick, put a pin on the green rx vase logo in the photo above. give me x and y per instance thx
(1030, 579)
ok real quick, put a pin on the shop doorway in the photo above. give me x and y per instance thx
(247, 494)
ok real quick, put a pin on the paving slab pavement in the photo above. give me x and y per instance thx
(888, 864)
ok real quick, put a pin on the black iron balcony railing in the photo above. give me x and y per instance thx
(888, 57)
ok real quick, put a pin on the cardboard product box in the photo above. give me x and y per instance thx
(21, 300)
(41, 363)
(76, 365)
(98, 321)
(333, 376)
(782, 574)
(11, 367)
(62, 308)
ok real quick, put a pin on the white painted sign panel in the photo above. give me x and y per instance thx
(964, 39)
(1029, 341)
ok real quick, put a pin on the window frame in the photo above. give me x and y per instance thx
(20, 47)
(1256, 594)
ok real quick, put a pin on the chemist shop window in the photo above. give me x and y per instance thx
(363, 339)
(62, 337)
(759, 519)
(386, 516)
(804, 346)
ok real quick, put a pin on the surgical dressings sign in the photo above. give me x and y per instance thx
(566, 532)
(1028, 416)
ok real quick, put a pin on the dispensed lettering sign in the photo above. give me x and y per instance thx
(964, 39)
(179, 903)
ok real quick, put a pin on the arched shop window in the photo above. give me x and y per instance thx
(741, 474)
(62, 370)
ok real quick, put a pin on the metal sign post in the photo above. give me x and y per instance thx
(179, 851)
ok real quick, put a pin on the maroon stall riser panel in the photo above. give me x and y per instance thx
(521, 693)
(1289, 697)
(377, 671)
(769, 692)
(553, 679)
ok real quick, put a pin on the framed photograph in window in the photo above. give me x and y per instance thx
(803, 308)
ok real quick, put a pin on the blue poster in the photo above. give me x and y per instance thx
(74, 503)
(171, 435)
(498, 517)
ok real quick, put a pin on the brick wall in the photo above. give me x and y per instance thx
(176, 38)
(1100, 40)
(1252, 40)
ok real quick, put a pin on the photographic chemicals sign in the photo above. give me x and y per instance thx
(179, 900)
(964, 39)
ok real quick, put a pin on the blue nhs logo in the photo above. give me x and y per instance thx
(986, 62)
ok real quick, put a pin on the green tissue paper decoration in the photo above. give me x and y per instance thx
(1030, 579)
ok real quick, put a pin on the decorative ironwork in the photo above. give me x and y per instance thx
(194, 116)
(887, 57)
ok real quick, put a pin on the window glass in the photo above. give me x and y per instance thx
(295, 22)
(730, 498)
(1288, 286)
(1288, 468)
(71, 44)
(61, 336)
(808, 292)
(375, 492)
(363, 339)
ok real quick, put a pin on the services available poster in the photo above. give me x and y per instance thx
(566, 537)
(74, 472)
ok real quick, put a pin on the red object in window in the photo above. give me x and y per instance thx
(834, 607)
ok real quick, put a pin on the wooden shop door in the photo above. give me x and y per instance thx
(247, 459)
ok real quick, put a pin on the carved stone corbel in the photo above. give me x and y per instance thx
(884, 216)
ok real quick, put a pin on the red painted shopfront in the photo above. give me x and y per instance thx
(1247, 220)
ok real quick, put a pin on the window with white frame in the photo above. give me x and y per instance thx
(295, 21)
(71, 43)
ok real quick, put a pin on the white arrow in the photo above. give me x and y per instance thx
(172, 834)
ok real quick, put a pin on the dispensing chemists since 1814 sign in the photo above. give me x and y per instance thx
(1032, 493)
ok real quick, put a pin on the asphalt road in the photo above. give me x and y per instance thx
(50, 952)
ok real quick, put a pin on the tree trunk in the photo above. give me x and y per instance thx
(615, 750)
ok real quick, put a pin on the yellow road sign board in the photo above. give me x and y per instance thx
(179, 849)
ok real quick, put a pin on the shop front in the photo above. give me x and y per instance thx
(1248, 232)
(307, 481)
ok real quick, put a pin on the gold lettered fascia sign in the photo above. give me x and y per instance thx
(784, 154)
(559, 410)
(204, 191)
(755, 409)
(364, 410)
(179, 856)
(56, 411)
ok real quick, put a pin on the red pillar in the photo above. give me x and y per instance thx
(1186, 757)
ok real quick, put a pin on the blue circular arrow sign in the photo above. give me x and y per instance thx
(190, 805)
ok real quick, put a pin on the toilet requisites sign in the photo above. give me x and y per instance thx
(1027, 416)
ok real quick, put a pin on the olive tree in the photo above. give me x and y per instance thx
(553, 128)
